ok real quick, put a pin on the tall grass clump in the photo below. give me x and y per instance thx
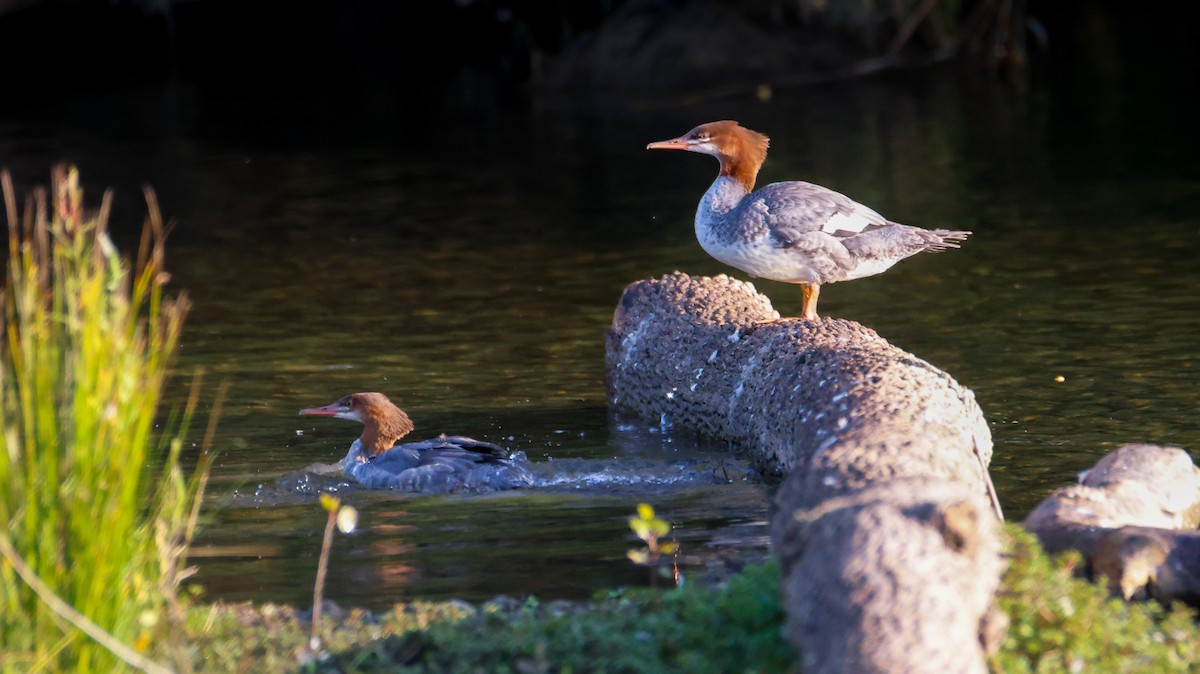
(95, 510)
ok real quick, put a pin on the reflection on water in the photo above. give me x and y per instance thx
(469, 272)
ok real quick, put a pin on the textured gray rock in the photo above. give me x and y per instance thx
(895, 578)
(1135, 485)
(885, 521)
(829, 402)
(1133, 517)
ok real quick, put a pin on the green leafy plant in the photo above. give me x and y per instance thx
(1059, 622)
(651, 529)
(96, 515)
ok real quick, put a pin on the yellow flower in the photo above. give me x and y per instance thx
(330, 502)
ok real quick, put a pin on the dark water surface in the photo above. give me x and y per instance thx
(469, 265)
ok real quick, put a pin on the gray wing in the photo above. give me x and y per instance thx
(459, 446)
(445, 464)
(812, 220)
(793, 210)
(830, 226)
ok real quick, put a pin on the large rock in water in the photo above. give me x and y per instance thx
(829, 403)
(884, 519)
(1133, 517)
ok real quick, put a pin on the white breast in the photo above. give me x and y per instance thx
(758, 258)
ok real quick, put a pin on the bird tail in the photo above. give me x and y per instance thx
(944, 239)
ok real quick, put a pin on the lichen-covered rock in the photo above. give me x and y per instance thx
(828, 400)
(898, 577)
(885, 523)
(1135, 485)
(1133, 517)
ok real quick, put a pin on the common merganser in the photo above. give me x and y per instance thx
(443, 464)
(794, 232)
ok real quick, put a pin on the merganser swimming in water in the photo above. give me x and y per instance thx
(794, 232)
(443, 464)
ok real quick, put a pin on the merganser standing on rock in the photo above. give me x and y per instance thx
(794, 232)
(443, 464)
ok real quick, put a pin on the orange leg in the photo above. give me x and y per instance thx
(810, 294)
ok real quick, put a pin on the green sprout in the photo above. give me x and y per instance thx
(651, 529)
(345, 518)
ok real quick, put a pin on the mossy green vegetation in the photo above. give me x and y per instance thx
(1062, 623)
(1058, 623)
(734, 628)
(95, 511)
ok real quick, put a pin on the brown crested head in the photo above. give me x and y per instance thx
(741, 151)
(383, 422)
